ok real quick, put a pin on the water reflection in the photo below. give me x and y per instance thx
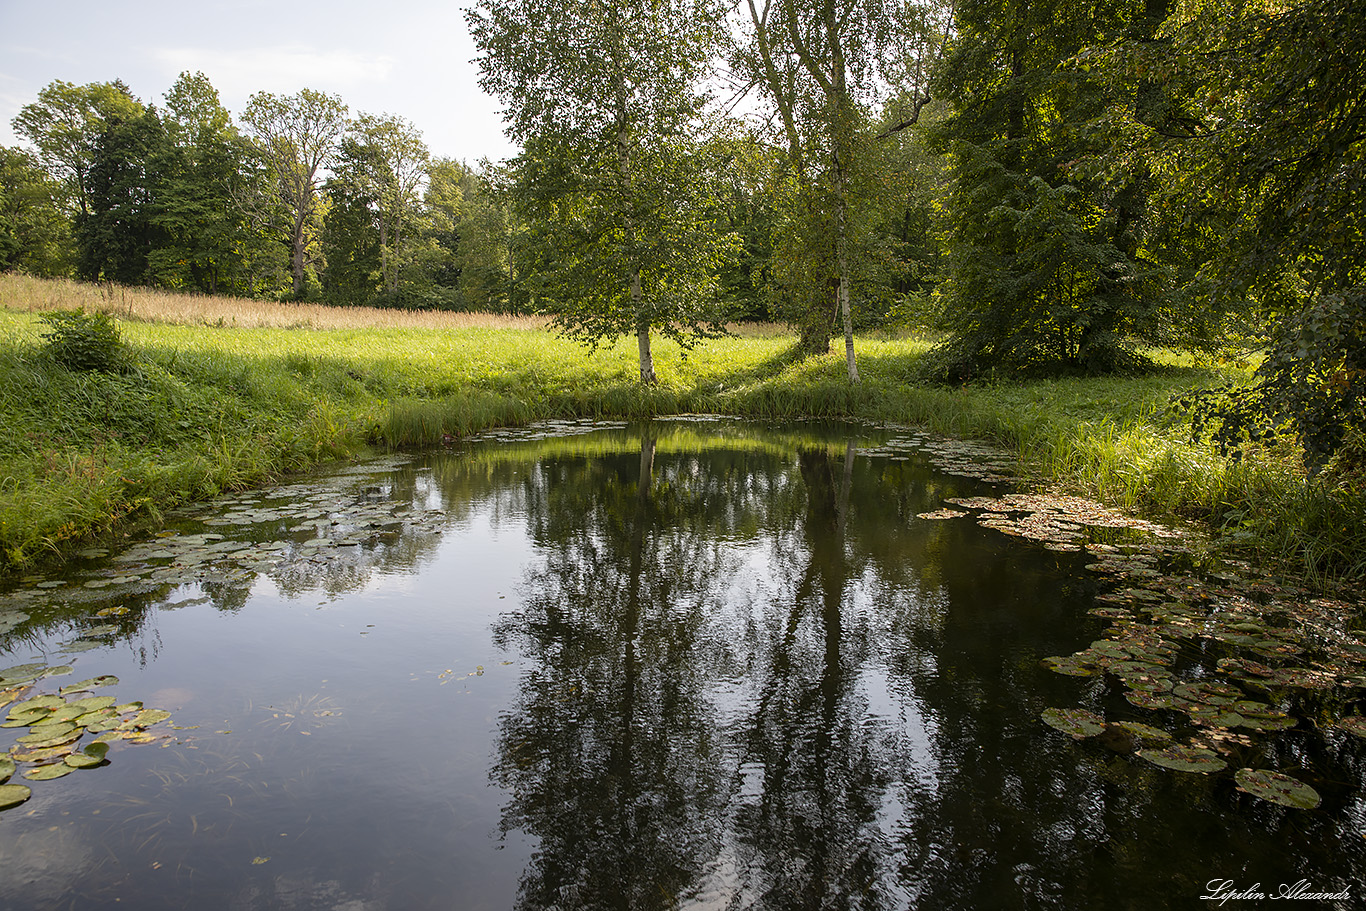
(610, 749)
(711, 666)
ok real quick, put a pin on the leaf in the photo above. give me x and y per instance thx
(147, 718)
(6, 768)
(1079, 723)
(83, 761)
(48, 772)
(1277, 788)
(48, 734)
(102, 680)
(11, 795)
(1182, 758)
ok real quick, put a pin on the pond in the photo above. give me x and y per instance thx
(694, 663)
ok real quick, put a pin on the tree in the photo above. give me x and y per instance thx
(65, 123)
(119, 231)
(1290, 148)
(209, 241)
(1053, 261)
(398, 160)
(298, 136)
(604, 98)
(350, 240)
(822, 64)
(35, 234)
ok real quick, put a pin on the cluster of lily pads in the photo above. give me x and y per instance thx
(57, 722)
(962, 458)
(281, 529)
(1060, 523)
(1272, 647)
(1226, 656)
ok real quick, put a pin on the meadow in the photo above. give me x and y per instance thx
(216, 394)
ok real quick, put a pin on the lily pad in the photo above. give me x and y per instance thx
(1070, 665)
(1142, 731)
(48, 772)
(11, 795)
(1182, 758)
(6, 768)
(1077, 722)
(44, 732)
(1277, 788)
(147, 717)
(92, 683)
(83, 761)
(35, 704)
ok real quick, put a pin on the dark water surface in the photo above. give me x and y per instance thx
(695, 664)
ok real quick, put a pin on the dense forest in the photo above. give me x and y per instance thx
(1051, 187)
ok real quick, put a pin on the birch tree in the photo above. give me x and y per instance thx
(604, 98)
(825, 65)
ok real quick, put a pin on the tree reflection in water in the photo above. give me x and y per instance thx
(662, 693)
(610, 751)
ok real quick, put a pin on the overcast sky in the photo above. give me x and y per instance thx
(404, 57)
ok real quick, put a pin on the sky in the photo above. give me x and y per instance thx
(403, 57)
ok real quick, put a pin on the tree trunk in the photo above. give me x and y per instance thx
(647, 361)
(297, 253)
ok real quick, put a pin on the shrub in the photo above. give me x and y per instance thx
(81, 341)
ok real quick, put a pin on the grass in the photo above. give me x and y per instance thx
(221, 394)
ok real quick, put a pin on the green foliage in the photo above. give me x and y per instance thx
(120, 230)
(64, 123)
(35, 235)
(82, 341)
(297, 136)
(1311, 388)
(1056, 261)
(621, 234)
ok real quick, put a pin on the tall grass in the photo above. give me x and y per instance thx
(221, 394)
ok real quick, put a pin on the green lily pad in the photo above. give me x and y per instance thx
(1145, 732)
(1182, 758)
(98, 749)
(26, 719)
(1146, 699)
(6, 768)
(148, 717)
(46, 732)
(1070, 665)
(93, 703)
(1077, 722)
(83, 761)
(46, 754)
(11, 795)
(1277, 788)
(48, 772)
(92, 683)
(36, 703)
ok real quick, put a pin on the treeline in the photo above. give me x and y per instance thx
(294, 200)
(1051, 186)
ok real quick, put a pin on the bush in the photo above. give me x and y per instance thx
(81, 341)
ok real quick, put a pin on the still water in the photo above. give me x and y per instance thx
(690, 664)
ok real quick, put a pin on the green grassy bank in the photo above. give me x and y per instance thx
(199, 409)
